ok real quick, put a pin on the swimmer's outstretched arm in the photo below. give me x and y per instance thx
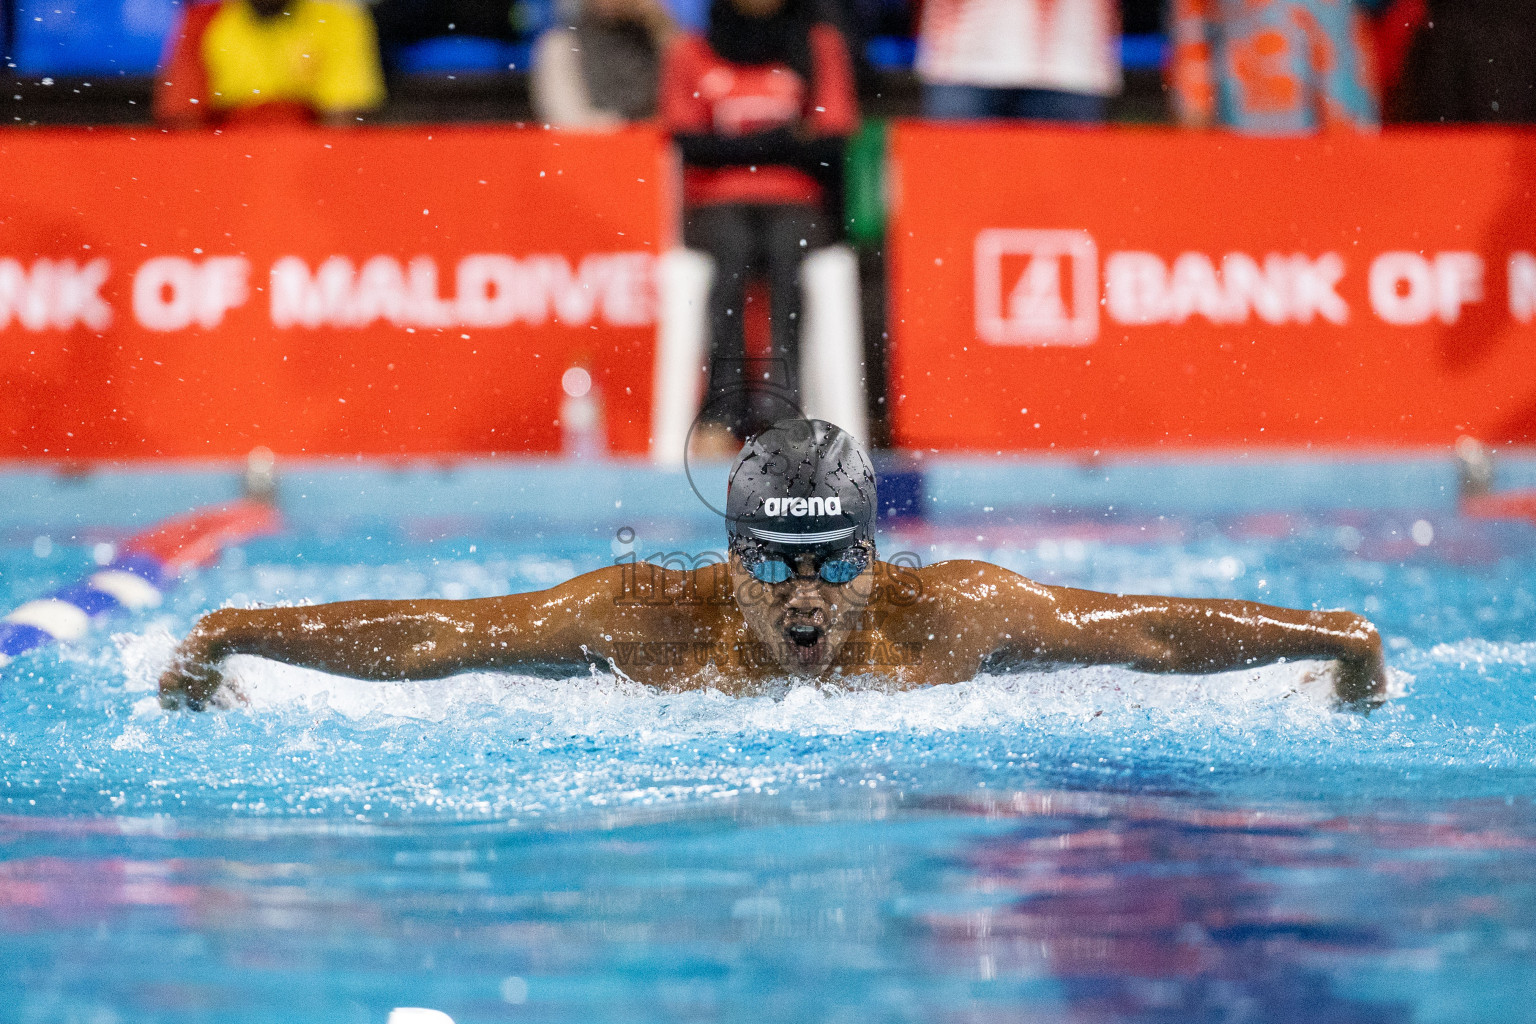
(398, 639)
(1176, 634)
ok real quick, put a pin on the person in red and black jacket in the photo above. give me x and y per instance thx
(760, 109)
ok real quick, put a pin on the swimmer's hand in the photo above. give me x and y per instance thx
(193, 676)
(1361, 682)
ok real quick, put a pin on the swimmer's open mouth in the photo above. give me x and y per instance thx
(805, 635)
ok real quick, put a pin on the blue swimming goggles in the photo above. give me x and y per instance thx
(835, 567)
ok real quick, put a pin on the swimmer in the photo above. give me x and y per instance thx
(800, 595)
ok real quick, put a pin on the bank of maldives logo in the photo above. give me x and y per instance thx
(1036, 287)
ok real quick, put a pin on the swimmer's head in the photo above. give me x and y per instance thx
(801, 508)
(803, 486)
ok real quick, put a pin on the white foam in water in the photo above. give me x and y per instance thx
(145, 655)
(1478, 654)
(602, 703)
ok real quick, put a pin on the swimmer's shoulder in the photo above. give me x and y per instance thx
(962, 581)
(976, 609)
(978, 595)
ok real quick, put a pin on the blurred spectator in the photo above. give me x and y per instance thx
(1055, 60)
(1281, 67)
(270, 60)
(1473, 60)
(761, 110)
(600, 69)
(1392, 32)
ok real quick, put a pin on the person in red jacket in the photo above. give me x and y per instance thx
(760, 108)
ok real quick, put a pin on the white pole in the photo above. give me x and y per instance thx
(682, 348)
(832, 341)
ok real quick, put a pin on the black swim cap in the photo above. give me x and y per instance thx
(802, 484)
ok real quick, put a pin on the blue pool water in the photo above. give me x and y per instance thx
(1090, 845)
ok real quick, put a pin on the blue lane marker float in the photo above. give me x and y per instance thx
(151, 563)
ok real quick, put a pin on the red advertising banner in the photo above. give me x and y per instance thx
(377, 291)
(1063, 289)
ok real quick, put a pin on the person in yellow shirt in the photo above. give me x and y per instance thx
(270, 60)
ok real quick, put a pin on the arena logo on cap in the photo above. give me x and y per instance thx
(832, 506)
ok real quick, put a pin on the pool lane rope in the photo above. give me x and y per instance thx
(138, 577)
